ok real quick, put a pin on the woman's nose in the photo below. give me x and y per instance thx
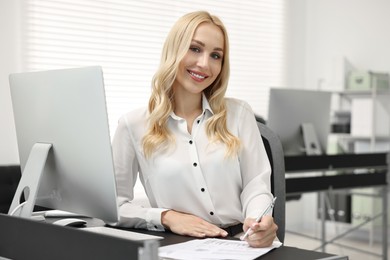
(203, 61)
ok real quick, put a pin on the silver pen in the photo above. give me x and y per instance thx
(258, 219)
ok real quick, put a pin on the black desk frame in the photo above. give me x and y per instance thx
(28, 239)
(377, 174)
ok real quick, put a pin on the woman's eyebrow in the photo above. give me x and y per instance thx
(203, 45)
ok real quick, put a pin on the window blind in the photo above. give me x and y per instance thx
(126, 37)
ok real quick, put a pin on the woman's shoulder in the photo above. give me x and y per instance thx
(238, 114)
(235, 105)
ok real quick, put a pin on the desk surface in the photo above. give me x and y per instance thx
(26, 239)
(284, 252)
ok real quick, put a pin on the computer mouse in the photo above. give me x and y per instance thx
(70, 222)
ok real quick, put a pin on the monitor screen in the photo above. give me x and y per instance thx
(292, 110)
(64, 111)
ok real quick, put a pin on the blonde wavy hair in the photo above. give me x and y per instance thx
(161, 101)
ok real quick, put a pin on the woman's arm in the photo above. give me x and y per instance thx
(256, 176)
(126, 171)
(190, 225)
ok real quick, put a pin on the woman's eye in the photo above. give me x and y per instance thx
(216, 56)
(195, 49)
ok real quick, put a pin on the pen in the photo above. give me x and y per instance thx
(258, 219)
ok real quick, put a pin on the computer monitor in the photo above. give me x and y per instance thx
(64, 143)
(301, 119)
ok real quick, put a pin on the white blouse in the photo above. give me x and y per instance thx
(194, 175)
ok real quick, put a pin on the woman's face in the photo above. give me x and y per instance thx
(203, 61)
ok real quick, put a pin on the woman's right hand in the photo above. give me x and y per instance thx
(190, 225)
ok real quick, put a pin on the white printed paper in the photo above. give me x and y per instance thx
(213, 248)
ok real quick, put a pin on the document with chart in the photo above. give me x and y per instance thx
(213, 248)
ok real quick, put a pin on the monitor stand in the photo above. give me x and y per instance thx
(29, 182)
(310, 140)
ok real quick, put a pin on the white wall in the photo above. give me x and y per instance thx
(357, 30)
(296, 43)
(324, 32)
(9, 62)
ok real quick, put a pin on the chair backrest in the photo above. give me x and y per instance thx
(9, 179)
(275, 154)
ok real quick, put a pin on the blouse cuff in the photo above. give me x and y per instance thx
(153, 219)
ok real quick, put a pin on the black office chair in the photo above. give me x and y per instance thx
(9, 180)
(275, 154)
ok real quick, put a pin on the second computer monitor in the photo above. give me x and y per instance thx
(296, 114)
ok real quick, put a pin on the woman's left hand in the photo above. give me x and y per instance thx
(262, 234)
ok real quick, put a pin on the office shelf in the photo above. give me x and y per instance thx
(350, 94)
(375, 137)
(379, 102)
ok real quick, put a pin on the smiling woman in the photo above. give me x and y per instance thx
(192, 144)
(197, 70)
(175, 80)
(203, 60)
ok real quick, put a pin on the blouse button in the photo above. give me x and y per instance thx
(190, 141)
(211, 213)
(198, 121)
(202, 189)
(195, 164)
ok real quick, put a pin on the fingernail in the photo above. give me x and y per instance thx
(224, 233)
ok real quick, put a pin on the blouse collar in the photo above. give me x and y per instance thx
(205, 107)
